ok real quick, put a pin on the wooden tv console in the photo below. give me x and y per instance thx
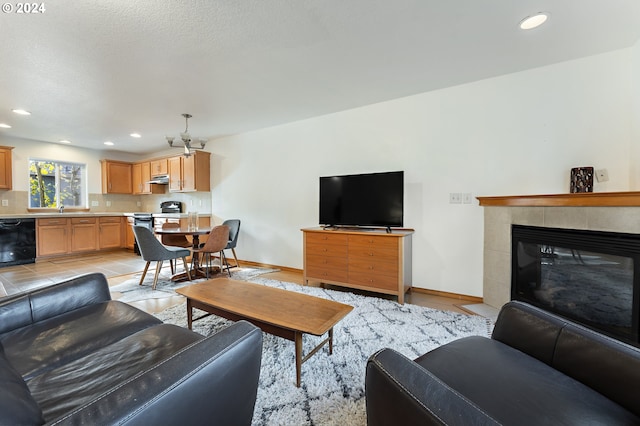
(372, 260)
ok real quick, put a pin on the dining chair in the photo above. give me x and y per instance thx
(234, 231)
(173, 240)
(216, 242)
(153, 250)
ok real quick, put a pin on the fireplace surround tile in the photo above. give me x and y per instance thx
(497, 239)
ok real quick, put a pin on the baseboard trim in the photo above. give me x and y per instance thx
(473, 299)
(267, 265)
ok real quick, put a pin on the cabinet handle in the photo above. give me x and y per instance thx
(370, 254)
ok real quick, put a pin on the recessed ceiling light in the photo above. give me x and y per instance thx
(135, 135)
(64, 141)
(21, 111)
(534, 21)
(4, 126)
(109, 143)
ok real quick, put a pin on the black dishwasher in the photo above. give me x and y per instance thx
(17, 241)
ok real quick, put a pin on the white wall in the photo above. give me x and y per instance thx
(516, 134)
(25, 149)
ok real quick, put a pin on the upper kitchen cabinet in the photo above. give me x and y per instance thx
(116, 177)
(191, 173)
(159, 167)
(141, 175)
(6, 167)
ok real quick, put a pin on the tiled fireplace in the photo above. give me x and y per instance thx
(596, 211)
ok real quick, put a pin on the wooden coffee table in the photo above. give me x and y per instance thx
(279, 312)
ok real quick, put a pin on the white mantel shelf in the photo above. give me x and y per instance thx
(583, 199)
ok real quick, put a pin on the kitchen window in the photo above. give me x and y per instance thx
(53, 184)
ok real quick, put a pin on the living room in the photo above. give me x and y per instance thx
(508, 131)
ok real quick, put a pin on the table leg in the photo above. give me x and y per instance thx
(298, 340)
(189, 314)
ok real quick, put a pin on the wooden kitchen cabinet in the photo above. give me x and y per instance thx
(83, 234)
(368, 260)
(188, 174)
(129, 236)
(117, 177)
(61, 236)
(141, 175)
(52, 236)
(175, 173)
(6, 167)
(110, 232)
(159, 167)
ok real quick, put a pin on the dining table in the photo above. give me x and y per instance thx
(197, 271)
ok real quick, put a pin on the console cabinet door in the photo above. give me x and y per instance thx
(326, 256)
(374, 262)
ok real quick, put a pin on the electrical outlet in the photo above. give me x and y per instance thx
(455, 198)
(5, 203)
(200, 203)
(139, 203)
(95, 204)
(467, 198)
(602, 175)
(108, 203)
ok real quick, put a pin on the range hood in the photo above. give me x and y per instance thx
(160, 180)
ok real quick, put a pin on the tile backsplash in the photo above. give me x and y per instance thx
(16, 202)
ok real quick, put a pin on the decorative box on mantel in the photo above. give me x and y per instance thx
(596, 211)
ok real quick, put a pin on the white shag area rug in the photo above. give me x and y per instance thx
(130, 290)
(332, 391)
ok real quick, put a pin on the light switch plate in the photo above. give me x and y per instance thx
(95, 204)
(602, 175)
(5, 203)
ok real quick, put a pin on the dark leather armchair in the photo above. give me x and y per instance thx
(536, 369)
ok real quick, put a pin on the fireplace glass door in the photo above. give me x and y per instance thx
(587, 276)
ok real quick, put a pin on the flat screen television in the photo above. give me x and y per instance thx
(372, 199)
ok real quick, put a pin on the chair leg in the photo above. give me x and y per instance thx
(233, 250)
(146, 267)
(173, 266)
(186, 268)
(223, 258)
(155, 278)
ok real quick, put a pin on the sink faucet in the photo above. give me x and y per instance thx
(61, 209)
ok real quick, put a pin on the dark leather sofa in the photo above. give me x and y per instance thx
(537, 369)
(71, 355)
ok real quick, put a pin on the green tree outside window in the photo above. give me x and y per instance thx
(55, 183)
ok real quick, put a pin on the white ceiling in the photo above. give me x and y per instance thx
(92, 71)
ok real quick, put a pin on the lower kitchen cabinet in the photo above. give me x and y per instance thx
(83, 234)
(52, 237)
(64, 236)
(110, 234)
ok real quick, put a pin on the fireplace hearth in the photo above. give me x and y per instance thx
(591, 277)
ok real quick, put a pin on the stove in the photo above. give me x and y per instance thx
(146, 219)
(171, 207)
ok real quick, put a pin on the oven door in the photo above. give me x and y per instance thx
(142, 220)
